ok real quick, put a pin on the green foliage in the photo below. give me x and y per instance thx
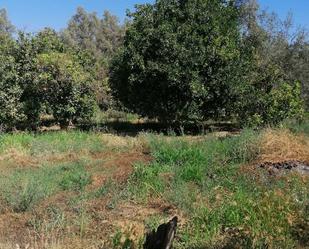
(180, 61)
(278, 52)
(227, 204)
(162, 72)
(40, 74)
(25, 55)
(97, 40)
(6, 27)
(48, 40)
(24, 194)
(285, 102)
(100, 36)
(11, 108)
(205, 163)
(66, 88)
(272, 107)
(298, 126)
(75, 178)
(52, 143)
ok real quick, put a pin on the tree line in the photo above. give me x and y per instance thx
(174, 61)
(64, 74)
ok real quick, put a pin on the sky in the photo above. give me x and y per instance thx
(33, 15)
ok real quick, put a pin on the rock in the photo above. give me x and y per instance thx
(280, 168)
(163, 237)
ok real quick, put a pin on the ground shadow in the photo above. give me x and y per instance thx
(124, 128)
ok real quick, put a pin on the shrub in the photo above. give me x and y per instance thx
(273, 107)
(285, 102)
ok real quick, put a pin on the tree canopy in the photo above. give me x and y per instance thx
(174, 60)
(181, 60)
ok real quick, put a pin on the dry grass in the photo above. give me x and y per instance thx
(111, 159)
(280, 145)
(124, 143)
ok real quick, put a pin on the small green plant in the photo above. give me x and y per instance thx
(24, 188)
(75, 178)
(103, 190)
(75, 182)
(24, 195)
(121, 241)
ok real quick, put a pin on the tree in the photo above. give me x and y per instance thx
(280, 48)
(25, 57)
(109, 35)
(97, 40)
(11, 108)
(52, 78)
(48, 40)
(82, 29)
(66, 88)
(101, 37)
(181, 60)
(6, 28)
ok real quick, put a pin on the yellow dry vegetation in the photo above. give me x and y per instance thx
(281, 144)
(124, 142)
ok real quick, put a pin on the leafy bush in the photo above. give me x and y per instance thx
(272, 107)
(285, 102)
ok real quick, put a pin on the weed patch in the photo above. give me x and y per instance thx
(24, 188)
(226, 207)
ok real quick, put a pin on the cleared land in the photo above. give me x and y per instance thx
(93, 190)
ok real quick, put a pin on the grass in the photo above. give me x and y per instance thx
(113, 115)
(298, 126)
(227, 207)
(51, 142)
(76, 190)
(24, 188)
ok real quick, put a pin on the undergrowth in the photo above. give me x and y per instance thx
(223, 198)
(24, 188)
(227, 204)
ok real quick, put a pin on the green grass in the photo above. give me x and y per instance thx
(113, 115)
(226, 207)
(51, 142)
(298, 127)
(24, 188)
(224, 204)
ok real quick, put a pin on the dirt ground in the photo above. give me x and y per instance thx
(102, 220)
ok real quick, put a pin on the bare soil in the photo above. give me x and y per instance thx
(101, 221)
